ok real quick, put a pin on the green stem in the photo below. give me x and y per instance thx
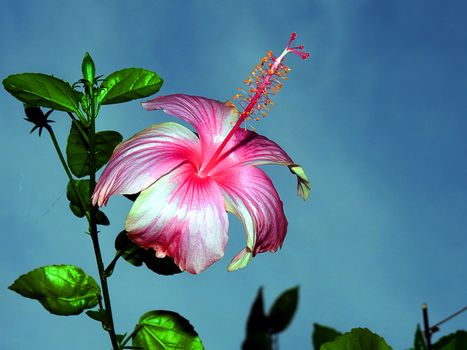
(78, 124)
(109, 325)
(135, 331)
(109, 269)
(65, 167)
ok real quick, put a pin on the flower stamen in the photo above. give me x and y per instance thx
(265, 80)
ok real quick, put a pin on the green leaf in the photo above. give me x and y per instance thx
(166, 330)
(120, 337)
(357, 339)
(99, 315)
(82, 187)
(129, 84)
(323, 334)
(283, 310)
(457, 341)
(136, 256)
(419, 342)
(257, 327)
(78, 153)
(43, 90)
(61, 289)
(129, 250)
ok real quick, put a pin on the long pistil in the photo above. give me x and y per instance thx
(260, 90)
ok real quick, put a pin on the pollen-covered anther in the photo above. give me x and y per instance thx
(265, 79)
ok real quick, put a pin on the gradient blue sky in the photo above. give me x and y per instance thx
(377, 117)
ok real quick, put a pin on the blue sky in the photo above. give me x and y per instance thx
(377, 118)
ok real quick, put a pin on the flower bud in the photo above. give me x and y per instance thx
(88, 68)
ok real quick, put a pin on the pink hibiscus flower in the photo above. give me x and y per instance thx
(188, 181)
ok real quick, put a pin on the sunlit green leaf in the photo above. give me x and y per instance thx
(42, 90)
(129, 84)
(166, 330)
(61, 289)
(323, 334)
(78, 153)
(283, 310)
(257, 328)
(453, 341)
(82, 186)
(357, 339)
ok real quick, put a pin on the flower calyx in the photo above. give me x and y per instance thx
(38, 118)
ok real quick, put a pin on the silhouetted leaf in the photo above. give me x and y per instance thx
(166, 330)
(61, 289)
(136, 256)
(419, 342)
(129, 84)
(43, 90)
(257, 328)
(129, 250)
(162, 266)
(357, 339)
(457, 341)
(283, 310)
(323, 334)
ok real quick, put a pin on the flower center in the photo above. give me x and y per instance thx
(265, 80)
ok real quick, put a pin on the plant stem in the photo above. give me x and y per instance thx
(65, 167)
(109, 324)
(128, 337)
(426, 326)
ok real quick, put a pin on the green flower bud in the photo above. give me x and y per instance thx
(88, 68)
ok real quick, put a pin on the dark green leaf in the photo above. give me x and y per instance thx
(419, 342)
(88, 68)
(120, 337)
(129, 250)
(82, 187)
(460, 338)
(99, 315)
(42, 90)
(102, 219)
(136, 255)
(78, 153)
(357, 339)
(323, 334)
(61, 289)
(166, 330)
(129, 84)
(257, 328)
(162, 266)
(283, 310)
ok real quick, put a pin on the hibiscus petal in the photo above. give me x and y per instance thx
(212, 119)
(249, 148)
(138, 162)
(181, 215)
(251, 196)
